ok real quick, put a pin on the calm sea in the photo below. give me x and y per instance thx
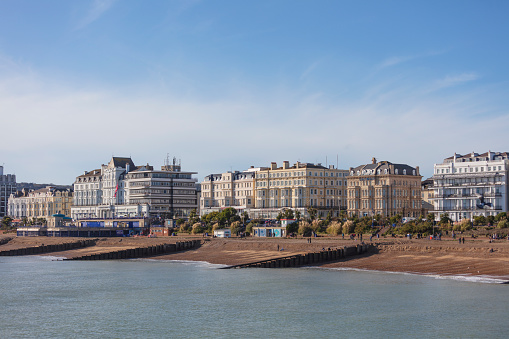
(41, 298)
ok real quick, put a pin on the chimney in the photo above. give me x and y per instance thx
(417, 169)
(297, 165)
(273, 165)
(373, 160)
(286, 165)
(127, 168)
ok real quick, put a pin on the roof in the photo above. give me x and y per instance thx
(385, 167)
(121, 162)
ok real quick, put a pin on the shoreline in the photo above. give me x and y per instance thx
(476, 258)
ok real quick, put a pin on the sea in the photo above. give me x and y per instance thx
(43, 297)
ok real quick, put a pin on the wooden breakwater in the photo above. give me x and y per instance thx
(4, 241)
(308, 258)
(49, 248)
(141, 252)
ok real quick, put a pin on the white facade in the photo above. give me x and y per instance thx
(120, 189)
(462, 182)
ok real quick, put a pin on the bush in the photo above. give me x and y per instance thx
(184, 227)
(215, 227)
(197, 228)
(334, 228)
(348, 227)
(235, 227)
(305, 228)
(316, 225)
(503, 224)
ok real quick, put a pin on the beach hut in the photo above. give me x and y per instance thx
(223, 233)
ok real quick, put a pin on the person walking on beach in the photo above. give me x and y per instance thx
(278, 247)
(463, 239)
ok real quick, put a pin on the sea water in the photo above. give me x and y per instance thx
(44, 298)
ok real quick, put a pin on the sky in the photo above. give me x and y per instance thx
(225, 85)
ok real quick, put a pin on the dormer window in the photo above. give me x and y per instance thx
(396, 171)
(404, 172)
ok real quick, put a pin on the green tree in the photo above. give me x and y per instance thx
(193, 217)
(328, 219)
(445, 220)
(292, 228)
(312, 213)
(480, 220)
(297, 215)
(430, 217)
(6, 222)
(235, 227)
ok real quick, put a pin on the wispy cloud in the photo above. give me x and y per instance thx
(98, 8)
(396, 60)
(454, 80)
(390, 122)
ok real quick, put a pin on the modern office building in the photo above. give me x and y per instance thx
(121, 189)
(470, 185)
(7, 187)
(384, 188)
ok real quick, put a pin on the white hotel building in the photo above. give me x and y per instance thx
(462, 182)
(121, 189)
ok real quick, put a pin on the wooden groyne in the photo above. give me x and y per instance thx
(49, 248)
(141, 252)
(4, 241)
(308, 258)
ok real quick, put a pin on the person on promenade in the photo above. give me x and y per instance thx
(459, 239)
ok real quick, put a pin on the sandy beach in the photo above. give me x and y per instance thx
(475, 257)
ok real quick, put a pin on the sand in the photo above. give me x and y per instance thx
(476, 257)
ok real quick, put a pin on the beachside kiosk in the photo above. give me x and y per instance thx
(270, 230)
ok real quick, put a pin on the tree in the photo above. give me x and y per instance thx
(430, 217)
(305, 228)
(312, 213)
(445, 220)
(501, 216)
(328, 218)
(348, 226)
(197, 228)
(6, 222)
(479, 220)
(292, 228)
(193, 217)
(297, 215)
(235, 227)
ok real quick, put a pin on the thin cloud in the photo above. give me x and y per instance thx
(454, 80)
(99, 7)
(396, 60)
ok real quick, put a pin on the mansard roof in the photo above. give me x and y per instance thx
(372, 169)
(121, 162)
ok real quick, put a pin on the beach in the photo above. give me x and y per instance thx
(474, 257)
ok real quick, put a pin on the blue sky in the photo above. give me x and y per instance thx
(229, 84)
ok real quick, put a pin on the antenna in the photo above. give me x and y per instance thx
(337, 161)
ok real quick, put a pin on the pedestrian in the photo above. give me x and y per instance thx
(278, 247)
(463, 239)
(459, 239)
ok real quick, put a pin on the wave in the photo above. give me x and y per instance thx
(459, 277)
(184, 262)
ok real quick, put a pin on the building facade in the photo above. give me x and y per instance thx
(121, 189)
(7, 187)
(385, 189)
(470, 185)
(299, 187)
(230, 189)
(42, 203)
